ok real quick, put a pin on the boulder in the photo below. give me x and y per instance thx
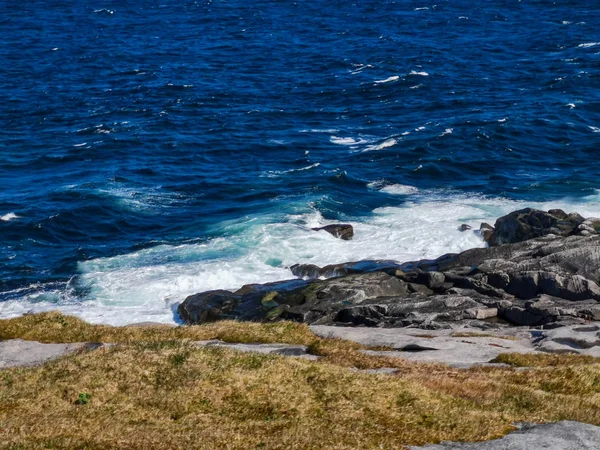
(342, 231)
(530, 223)
(208, 307)
(547, 309)
(486, 231)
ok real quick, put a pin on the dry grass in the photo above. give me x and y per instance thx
(55, 327)
(155, 390)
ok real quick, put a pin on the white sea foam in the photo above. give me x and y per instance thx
(387, 80)
(400, 189)
(319, 130)
(595, 129)
(276, 173)
(385, 144)
(9, 216)
(447, 131)
(360, 67)
(147, 285)
(588, 44)
(422, 74)
(141, 199)
(349, 141)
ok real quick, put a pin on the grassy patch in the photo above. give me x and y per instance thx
(544, 359)
(155, 390)
(55, 327)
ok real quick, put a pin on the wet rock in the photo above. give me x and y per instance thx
(311, 271)
(486, 231)
(369, 315)
(208, 306)
(342, 231)
(530, 223)
(464, 227)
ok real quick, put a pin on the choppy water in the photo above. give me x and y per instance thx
(153, 150)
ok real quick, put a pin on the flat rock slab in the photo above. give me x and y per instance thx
(437, 346)
(564, 435)
(299, 351)
(581, 339)
(18, 352)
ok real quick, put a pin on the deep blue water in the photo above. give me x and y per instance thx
(137, 137)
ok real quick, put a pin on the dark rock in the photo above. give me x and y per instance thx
(311, 271)
(208, 306)
(432, 279)
(419, 289)
(464, 227)
(342, 230)
(547, 309)
(354, 289)
(486, 231)
(369, 315)
(530, 223)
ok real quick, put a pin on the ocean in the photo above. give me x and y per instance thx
(152, 150)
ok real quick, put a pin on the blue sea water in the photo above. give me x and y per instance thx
(150, 150)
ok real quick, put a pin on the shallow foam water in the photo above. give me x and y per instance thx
(151, 151)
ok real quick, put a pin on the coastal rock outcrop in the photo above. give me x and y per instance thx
(543, 269)
(530, 223)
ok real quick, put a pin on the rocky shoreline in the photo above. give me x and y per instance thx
(540, 269)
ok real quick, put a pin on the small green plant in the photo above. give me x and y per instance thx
(179, 359)
(83, 399)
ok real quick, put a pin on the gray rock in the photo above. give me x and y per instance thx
(453, 347)
(580, 339)
(530, 223)
(18, 352)
(342, 231)
(208, 306)
(565, 435)
(299, 351)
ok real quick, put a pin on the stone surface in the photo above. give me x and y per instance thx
(17, 352)
(580, 339)
(458, 348)
(565, 435)
(466, 347)
(300, 351)
(530, 223)
(342, 230)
